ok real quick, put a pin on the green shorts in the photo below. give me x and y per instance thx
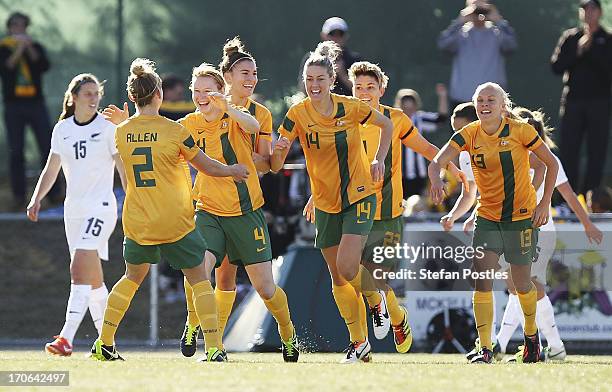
(354, 219)
(515, 240)
(188, 252)
(244, 238)
(386, 232)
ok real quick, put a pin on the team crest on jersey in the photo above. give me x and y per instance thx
(504, 143)
(339, 122)
(223, 124)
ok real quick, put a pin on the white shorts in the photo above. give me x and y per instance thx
(90, 233)
(547, 241)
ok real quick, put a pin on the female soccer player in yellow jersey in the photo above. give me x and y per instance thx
(228, 214)
(327, 126)
(158, 212)
(240, 74)
(508, 217)
(369, 84)
(83, 146)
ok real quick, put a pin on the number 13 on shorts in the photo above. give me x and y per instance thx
(526, 236)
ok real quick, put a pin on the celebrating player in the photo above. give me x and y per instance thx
(545, 317)
(240, 74)
(83, 146)
(508, 216)
(158, 212)
(229, 214)
(328, 127)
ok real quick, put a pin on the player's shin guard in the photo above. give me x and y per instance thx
(395, 311)
(347, 303)
(364, 283)
(225, 303)
(528, 302)
(192, 316)
(117, 304)
(545, 318)
(206, 310)
(483, 314)
(363, 314)
(278, 306)
(97, 304)
(510, 321)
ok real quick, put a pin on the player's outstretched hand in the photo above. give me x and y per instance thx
(115, 115)
(239, 172)
(282, 144)
(33, 209)
(308, 211)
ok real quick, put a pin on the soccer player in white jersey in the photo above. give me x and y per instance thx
(83, 146)
(545, 318)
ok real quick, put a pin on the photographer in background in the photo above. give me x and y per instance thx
(22, 63)
(478, 39)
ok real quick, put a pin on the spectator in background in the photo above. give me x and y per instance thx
(22, 63)
(584, 57)
(414, 170)
(599, 200)
(174, 106)
(336, 29)
(478, 39)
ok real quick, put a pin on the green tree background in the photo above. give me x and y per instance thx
(400, 35)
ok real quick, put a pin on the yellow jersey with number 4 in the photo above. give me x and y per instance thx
(335, 158)
(389, 193)
(501, 168)
(226, 142)
(158, 207)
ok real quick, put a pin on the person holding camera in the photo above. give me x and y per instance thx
(478, 39)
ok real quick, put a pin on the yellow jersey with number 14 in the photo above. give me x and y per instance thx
(157, 207)
(335, 158)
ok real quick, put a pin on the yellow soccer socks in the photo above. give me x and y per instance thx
(279, 307)
(395, 311)
(483, 314)
(117, 304)
(348, 305)
(529, 301)
(192, 316)
(225, 303)
(206, 309)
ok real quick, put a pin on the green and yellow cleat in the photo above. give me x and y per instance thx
(214, 355)
(291, 351)
(402, 334)
(189, 340)
(101, 352)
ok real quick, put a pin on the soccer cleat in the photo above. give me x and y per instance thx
(402, 335)
(531, 348)
(358, 351)
(215, 355)
(474, 352)
(189, 340)
(380, 317)
(59, 346)
(105, 353)
(550, 354)
(291, 351)
(484, 356)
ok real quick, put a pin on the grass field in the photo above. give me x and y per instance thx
(168, 371)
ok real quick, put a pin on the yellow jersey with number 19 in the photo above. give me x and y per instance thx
(157, 207)
(501, 168)
(335, 159)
